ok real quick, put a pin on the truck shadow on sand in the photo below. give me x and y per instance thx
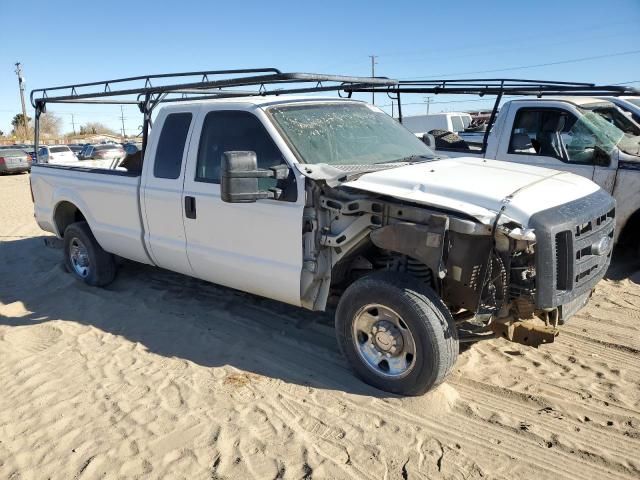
(173, 315)
(177, 316)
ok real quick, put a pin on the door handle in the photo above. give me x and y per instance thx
(190, 207)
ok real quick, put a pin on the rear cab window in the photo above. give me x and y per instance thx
(170, 149)
(59, 149)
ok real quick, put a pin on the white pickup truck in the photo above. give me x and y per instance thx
(583, 135)
(297, 198)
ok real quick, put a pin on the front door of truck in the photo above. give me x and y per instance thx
(546, 137)
(161, 195)
(254, 247)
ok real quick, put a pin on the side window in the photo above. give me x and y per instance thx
(456, 123)
(170, 151)
(543, 132)
(525, 132)
(224, 131)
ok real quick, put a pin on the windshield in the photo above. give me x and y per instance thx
(617, 118)
(347, 133)
(606, 135)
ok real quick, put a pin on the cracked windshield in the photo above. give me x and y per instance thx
(348, 134)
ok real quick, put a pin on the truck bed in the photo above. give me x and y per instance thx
(109, 200)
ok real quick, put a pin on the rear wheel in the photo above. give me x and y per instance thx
(85, 258)
(396, 333)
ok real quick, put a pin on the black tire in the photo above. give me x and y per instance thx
(101, 269)
(426, 317)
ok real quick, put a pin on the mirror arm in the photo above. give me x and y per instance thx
(272, 194)
(279, 172)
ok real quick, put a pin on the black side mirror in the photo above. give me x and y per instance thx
(239, 174)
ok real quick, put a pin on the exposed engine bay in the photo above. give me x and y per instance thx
(483, 273)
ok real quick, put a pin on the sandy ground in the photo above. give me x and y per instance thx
(163, 376)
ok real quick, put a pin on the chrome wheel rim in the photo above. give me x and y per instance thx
(383, 341)
(79, 257)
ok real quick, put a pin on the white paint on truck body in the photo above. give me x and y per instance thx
(477, 188)
(257, 247)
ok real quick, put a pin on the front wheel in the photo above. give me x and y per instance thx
(85, 258)
(396, 333)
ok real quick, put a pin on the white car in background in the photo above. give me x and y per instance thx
(56, 155)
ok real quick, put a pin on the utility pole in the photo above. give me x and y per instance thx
(73, 124)
(428, 100)
(122, 118)
(373, 74)
(21, 85)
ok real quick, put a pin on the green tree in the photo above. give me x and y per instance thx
(18, 120)
(96, 128)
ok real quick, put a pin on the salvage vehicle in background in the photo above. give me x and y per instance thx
(76, 148)
(13, 160)
(629, 105)
(299, 198)
(452, 121)
(56, 154)
(566, 129)
(102, 151)
(132, 148)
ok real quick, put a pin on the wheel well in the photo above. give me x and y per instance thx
(631, 230)
(372, 259)
(66, 213)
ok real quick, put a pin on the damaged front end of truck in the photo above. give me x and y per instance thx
(505, 278)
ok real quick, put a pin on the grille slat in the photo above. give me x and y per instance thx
(576, 263)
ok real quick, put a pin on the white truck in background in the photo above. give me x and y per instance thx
(297, 198)
(628, 104)
(455, 122)
(583, 135)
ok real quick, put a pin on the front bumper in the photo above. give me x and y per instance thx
(574, 243)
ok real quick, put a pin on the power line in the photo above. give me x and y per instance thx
(559, 62)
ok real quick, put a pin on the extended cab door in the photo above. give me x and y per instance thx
(544, 136)
(161, 196)
(254, 247)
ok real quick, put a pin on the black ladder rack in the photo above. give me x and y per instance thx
(494, 86)
(148, 91)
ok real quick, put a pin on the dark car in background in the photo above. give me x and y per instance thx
(107, 151)
(14, 160)
(132, 147)
(76, 148)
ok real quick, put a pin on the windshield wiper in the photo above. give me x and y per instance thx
(409, 159)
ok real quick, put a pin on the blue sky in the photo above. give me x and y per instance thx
(60, 42)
